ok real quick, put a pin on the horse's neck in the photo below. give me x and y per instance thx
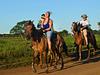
(36, 35)
(77, 35)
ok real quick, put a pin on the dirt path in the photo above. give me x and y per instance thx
(71, 68)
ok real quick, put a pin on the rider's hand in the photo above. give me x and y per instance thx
(44, 30)
(81, 29)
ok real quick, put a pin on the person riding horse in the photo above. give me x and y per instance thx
(83, 27)
(41, 21)
(78, 39)
(47, 24)
(40, 46)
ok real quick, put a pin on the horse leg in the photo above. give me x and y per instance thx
(51, 56)
(93, 42)
(94, 48)
(59, 55)
(88, 58)
(45, 57)
(40, 59)
(55, 59)
(80, 53)
(94, 51)
(62, 63)
(46, 61)
(33, 63)
(77, 52)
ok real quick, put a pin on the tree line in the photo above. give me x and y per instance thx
(18, 30)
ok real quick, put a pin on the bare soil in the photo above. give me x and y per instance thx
(70, 68)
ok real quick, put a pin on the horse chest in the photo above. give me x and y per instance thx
(37, 45)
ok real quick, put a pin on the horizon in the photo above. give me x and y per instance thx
(63, 12)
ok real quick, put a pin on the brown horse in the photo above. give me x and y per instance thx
(78, 37)
(39, 44)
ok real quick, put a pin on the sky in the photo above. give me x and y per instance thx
(64, 12)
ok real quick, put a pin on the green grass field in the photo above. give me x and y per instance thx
(16, 51)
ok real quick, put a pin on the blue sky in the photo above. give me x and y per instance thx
(63, 12)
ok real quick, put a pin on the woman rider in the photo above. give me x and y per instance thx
(85, 23)
(48, 29)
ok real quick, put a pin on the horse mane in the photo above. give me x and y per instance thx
(75, 27)
(35, 34)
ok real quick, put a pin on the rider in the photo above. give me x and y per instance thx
(41, 21)
(85, 23)
(48, 26)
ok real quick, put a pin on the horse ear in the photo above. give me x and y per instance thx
(30, 22)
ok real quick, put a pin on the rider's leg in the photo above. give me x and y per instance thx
(49, 35)
(49, 43)
(85, 36)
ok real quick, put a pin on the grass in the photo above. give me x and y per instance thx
(16, 51)
(98, 39)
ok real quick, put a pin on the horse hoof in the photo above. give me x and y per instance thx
(79, 61)
(88, 60)
(61, 68)
(51, 64)
(40, 66)
(94, 54)
(55, 67)
(34, 71)
(47, 71)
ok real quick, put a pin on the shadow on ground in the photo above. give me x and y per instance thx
(74, 62)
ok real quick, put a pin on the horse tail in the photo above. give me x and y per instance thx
(93, 40)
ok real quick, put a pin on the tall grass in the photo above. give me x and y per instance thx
(98, 40)
(14, 50)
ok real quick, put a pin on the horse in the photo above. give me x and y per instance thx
(40, 45)
(78, 37)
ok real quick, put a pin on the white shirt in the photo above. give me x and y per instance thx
(84, 23)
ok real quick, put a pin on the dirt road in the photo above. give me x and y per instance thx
(71, 68)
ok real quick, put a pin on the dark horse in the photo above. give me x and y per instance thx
(78, 37)
(40, 45)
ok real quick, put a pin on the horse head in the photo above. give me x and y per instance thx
(74, 27)
(29, 27)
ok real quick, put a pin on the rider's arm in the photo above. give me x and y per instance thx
(42, 22)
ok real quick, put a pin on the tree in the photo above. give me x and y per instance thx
(64, 32)
(99, 25)
(18, 28)
(96, 31)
